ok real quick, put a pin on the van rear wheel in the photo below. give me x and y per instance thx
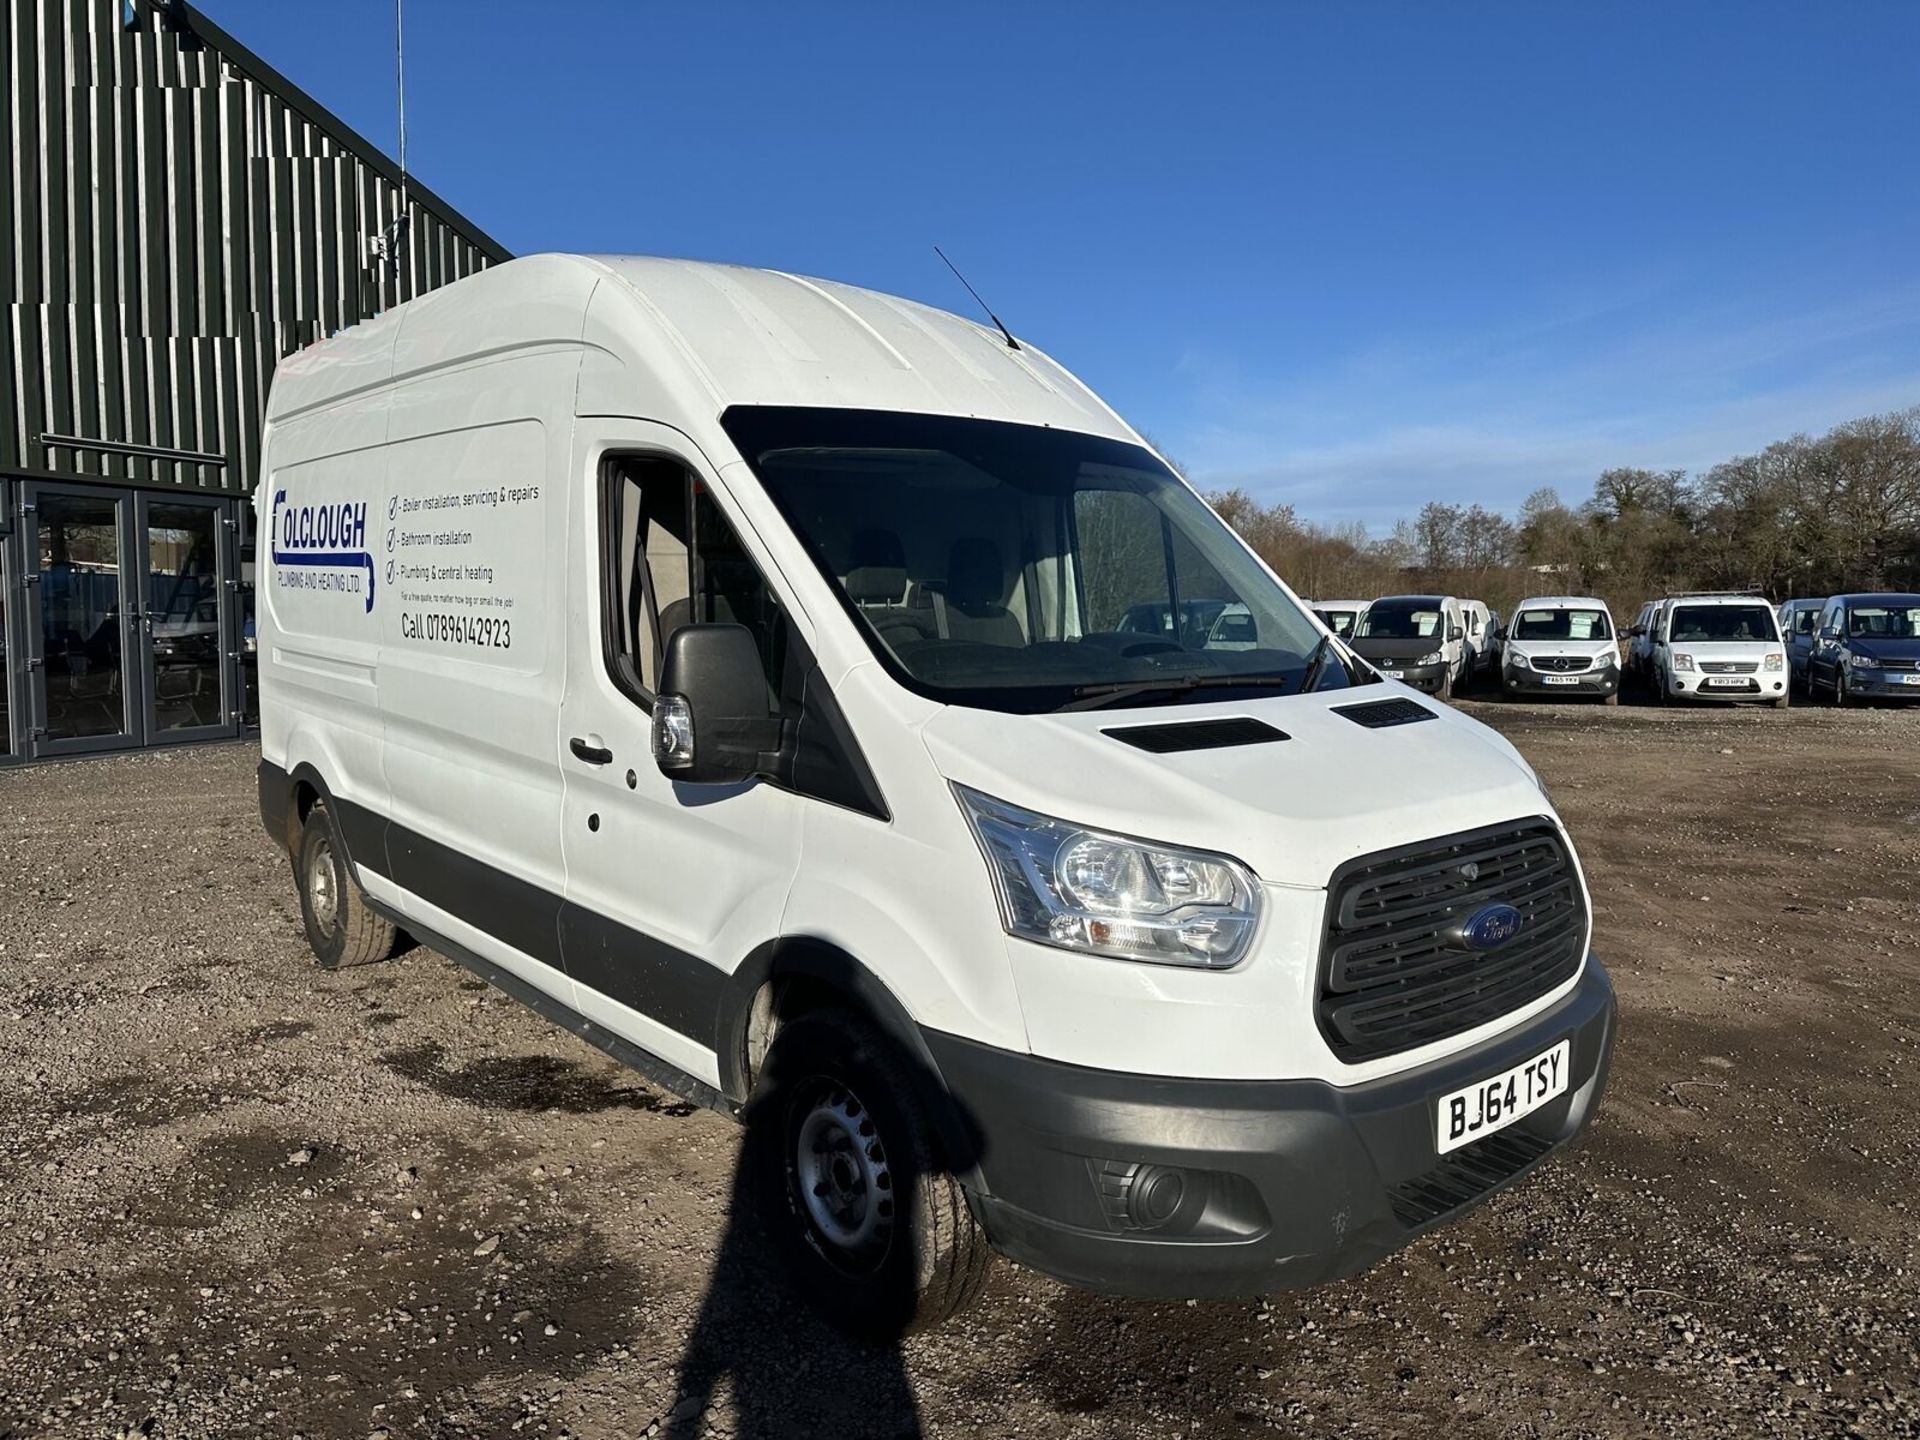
(855, 1195)
(341, 928)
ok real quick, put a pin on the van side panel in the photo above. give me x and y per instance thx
(318, 508)
(471, 546)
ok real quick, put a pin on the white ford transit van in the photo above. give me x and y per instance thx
(732, 666)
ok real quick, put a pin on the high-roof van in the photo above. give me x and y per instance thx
(778, 685)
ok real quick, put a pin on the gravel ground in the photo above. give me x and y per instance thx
(242, 1196)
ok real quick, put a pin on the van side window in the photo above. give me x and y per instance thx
(671, 559)
(648, 559)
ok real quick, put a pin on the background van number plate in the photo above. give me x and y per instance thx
(1561, 679)
(1728, 682)
(1499, 1100)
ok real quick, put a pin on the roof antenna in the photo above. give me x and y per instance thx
(386, 245)
(1012, 344)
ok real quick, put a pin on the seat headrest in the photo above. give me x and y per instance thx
(877, 568)
(974, 573)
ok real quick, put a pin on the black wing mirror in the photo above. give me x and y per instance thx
(1454, 632)
(1830, 633)
(714, 721)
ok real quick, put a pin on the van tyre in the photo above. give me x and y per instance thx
(341, 928)
(856, 1198)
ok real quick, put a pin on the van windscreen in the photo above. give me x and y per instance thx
(1708, 623)
(1022, 568)
(1561, 624)
(1400, 620)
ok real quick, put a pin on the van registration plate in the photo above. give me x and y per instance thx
(1913, 679)
(1394, 674)
(1496, 1102)
(1726, 682)
(1561, 679)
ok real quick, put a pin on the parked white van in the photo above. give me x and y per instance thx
(1479, 638)
(1561, 645)
(1339, 616)
(730, 665)
(1719, 646)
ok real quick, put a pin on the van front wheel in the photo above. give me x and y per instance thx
(857, 1199)
(341, 928)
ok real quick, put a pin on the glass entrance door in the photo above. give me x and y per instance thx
(130, 627)
(10, 651)
(182, 619)
(79, 620)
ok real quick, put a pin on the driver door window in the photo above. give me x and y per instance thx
(672, 559)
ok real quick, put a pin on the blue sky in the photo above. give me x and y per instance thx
(1354, 256)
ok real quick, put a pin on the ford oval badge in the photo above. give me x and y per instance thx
(1491, 927)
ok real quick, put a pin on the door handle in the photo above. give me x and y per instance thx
(592, 754)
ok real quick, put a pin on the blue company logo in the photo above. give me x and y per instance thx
(1491, 927)
(328, 537)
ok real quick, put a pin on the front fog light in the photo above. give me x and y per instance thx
(1110, 895)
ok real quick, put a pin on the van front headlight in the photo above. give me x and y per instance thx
(1111, 895)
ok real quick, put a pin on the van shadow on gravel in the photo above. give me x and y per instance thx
(531, 1083)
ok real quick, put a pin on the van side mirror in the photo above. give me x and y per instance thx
(1831, 632)
(1454, 632)
(713, 720)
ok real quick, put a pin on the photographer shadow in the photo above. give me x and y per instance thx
(788, 1368)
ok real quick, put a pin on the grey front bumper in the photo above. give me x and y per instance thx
(1149, 1186)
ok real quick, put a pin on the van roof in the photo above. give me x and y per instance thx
(695, 338)
(1564, 602)
(1718, 600)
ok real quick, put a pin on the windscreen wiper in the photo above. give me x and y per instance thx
(1316, 662)
(1096, 697)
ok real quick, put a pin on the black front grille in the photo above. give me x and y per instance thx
(1379, 714)
(1728, 667)
(1894, 664)
(1198, 735)
(1467, 1174)
(1394, 976)
(1562, 664)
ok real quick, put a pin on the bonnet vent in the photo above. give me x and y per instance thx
(1198, 735)
(1378, 714)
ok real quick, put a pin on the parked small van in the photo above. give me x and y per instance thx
(1339, 616)
(1418, 639)
(1719, 646)
(1561, 645)
(779, 686)
(1799, 628)
(1480, 645)
(1867, 647)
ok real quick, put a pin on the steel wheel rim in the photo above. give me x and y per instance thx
(322, 892)
(840, 1175)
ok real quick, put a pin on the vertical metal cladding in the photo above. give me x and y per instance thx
(178, 217)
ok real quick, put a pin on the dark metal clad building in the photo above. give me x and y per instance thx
(178, 217)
